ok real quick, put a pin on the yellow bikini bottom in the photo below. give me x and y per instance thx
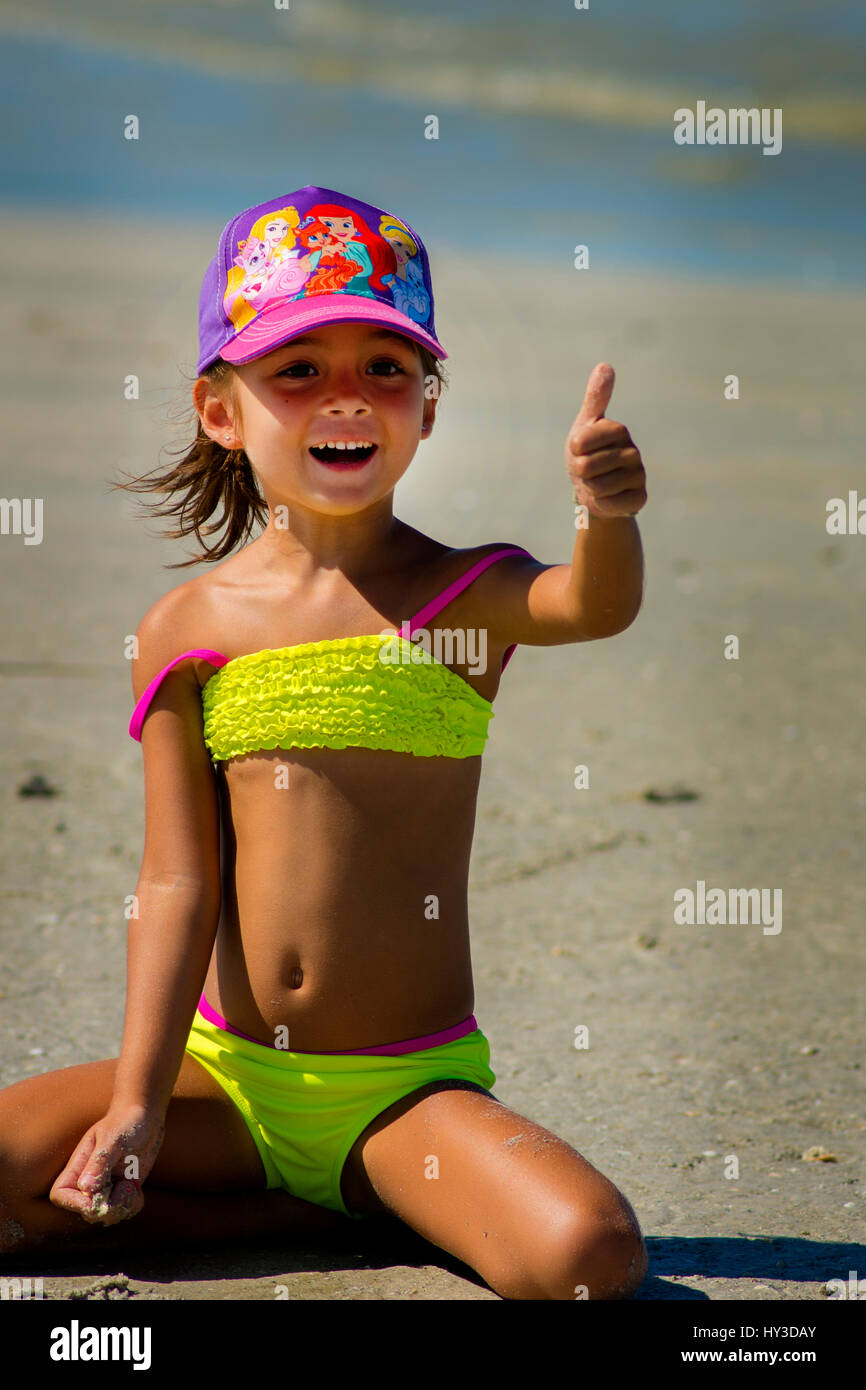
(305, 1110)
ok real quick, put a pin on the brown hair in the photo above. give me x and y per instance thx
(208, 477)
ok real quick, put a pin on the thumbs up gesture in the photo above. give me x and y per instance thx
(605, 468)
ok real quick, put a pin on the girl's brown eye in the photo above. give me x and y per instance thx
(293, 366)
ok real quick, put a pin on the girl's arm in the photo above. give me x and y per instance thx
(177, 898)
(171, 934)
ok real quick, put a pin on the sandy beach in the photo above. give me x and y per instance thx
(706, 1041)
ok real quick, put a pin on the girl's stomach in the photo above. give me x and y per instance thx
(344, 906)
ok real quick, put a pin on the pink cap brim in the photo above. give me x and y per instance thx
(292, 317)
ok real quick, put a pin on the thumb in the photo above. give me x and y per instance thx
(96, 1173)
(599, 390)
(82, 1174)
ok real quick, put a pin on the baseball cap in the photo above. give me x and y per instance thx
(309, 258)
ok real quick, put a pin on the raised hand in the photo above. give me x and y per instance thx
(605, 468)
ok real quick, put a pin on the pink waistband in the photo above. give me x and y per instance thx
(396, 1049)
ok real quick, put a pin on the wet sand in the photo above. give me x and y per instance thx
(705, 1041)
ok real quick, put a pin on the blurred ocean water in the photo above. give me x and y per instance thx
(555, 125)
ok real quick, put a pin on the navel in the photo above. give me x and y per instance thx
(297, 978)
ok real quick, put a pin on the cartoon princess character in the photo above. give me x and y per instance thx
(407, 283)
(276, 231)
(361, 244)
(266, 267)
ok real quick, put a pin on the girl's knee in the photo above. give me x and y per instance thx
(606, 1257)
(595, 1255)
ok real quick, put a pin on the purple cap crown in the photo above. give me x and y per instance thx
(309, 258)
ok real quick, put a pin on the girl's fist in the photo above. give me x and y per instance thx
(605, 468)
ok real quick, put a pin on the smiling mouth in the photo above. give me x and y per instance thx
(327, 453)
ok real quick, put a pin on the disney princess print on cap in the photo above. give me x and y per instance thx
(312, 257)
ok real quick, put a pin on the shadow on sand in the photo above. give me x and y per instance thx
(382, 1242)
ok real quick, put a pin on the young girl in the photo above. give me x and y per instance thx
(299, 1045)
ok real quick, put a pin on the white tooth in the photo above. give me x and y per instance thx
(340, 444)
(330, 444)
(350, 445)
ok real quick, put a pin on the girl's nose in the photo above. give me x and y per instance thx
(346, 391)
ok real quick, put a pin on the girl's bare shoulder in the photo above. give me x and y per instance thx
(184, 618)
(459, 561)
(437, 565)
(445, 558)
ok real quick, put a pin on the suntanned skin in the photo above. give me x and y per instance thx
(332, 874)
(303, 906)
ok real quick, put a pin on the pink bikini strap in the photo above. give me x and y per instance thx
(140, 711)
(421, 617)
(441, 600)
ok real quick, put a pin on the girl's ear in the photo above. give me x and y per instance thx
(215, 418)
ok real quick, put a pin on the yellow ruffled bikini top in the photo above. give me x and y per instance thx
(375, 691)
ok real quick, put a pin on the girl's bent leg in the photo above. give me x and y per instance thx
(517, 1204)
(207, 1183)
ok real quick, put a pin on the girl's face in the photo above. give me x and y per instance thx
(347, 381)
